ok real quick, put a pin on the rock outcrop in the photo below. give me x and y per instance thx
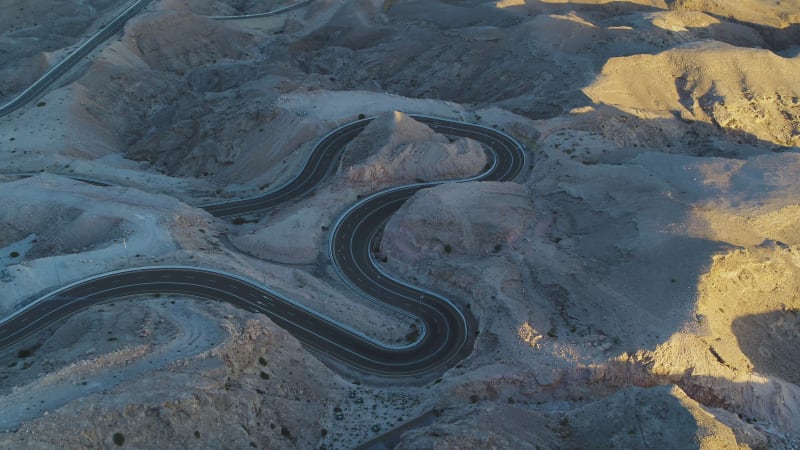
(403, 150)
(466, 219)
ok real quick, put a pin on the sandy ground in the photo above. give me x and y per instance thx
(636, 287)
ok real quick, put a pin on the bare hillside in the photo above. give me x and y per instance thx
(636, 286)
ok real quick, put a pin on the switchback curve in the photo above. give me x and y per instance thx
(447, 330)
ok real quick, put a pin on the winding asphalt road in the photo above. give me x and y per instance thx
(447, 330)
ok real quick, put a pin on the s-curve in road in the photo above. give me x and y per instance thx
(447, 330)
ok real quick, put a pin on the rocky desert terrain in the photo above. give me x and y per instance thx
(637, 286)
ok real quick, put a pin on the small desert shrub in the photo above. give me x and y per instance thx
(412, 335)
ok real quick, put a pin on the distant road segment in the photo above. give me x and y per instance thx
(274, 12)
(45, 81)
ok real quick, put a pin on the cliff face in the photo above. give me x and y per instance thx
(710, 82)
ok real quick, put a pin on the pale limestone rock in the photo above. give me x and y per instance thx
(404, 150)
(459, 218)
